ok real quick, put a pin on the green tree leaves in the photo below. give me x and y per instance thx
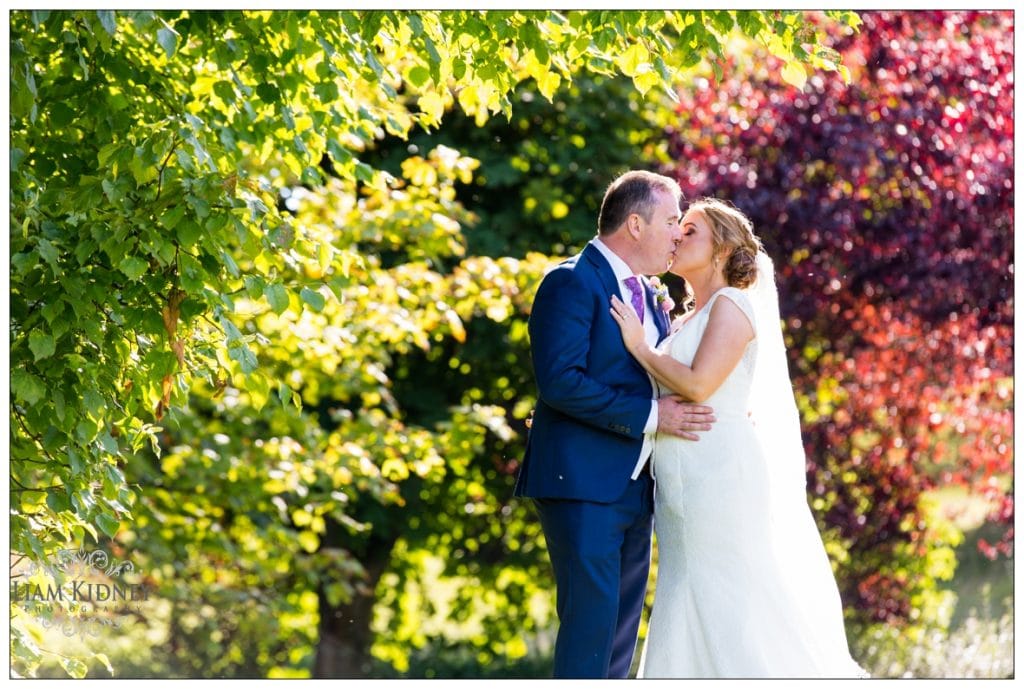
(277, 297)
(157, 269)
(41, 344)
(27, 387)
(168, 38)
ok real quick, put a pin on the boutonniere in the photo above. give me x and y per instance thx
(661, 297)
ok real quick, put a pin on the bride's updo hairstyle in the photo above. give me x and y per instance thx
(732, 233)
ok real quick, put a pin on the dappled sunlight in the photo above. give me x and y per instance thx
(270, 279)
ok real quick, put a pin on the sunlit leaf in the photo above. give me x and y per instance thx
(42, 344)
(794, 73)
(312, 297)
(26, 386)
(277, 297)
(134, 267)
(432, 106)
(109, 525)
(168, 40)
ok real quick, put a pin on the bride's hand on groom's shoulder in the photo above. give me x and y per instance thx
(680, 418)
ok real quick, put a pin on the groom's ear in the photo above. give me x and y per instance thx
(633, 225)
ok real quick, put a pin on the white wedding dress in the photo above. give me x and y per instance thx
(744, 587)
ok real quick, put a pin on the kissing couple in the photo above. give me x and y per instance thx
(689, 425)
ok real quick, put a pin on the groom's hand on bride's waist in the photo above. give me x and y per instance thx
(680, 418)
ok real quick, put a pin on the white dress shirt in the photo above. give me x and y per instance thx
(622, 273)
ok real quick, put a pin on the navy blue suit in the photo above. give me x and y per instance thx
(593, 403)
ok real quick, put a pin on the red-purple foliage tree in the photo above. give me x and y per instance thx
(887, 204)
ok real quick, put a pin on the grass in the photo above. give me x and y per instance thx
(979, 640)
(984, 587)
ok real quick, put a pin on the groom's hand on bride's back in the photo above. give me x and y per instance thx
(680, 418)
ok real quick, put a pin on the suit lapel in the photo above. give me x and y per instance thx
(611, 287)
(603, 268)
(663, 323)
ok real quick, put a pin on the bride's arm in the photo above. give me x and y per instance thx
(720, 349)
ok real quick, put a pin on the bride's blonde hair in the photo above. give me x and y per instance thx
(731, 233)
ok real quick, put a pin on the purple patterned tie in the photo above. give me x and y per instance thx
(638, 295)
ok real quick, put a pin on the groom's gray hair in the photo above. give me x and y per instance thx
(632, 192)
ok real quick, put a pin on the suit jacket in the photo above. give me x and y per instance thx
(593, 397)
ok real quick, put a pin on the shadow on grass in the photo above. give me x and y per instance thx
(450, 661)
(984, 587)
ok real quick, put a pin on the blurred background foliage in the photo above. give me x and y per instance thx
(888, 205)
(293, 389)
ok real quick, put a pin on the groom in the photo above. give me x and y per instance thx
(591, 438)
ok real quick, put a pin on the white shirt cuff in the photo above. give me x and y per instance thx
(652, 419)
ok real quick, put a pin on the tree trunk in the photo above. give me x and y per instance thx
(345, 635)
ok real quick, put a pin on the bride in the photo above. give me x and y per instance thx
(744, 587)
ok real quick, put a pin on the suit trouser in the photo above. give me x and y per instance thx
(601, 555)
